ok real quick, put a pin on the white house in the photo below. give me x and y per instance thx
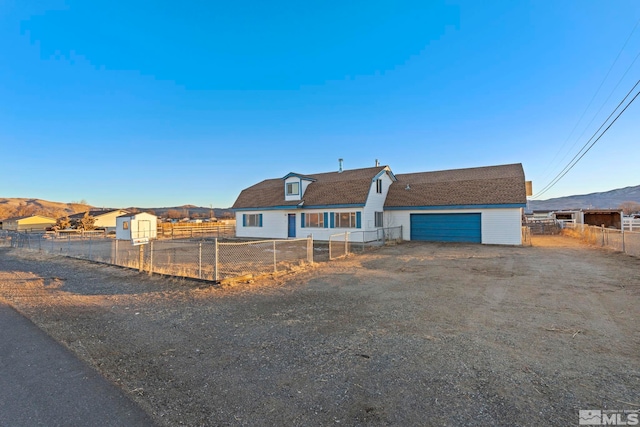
(103, 218)
(136, 226)
(482, 205)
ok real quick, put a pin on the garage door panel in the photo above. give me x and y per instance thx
(464, 227)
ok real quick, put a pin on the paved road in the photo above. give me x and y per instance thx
(43, 384)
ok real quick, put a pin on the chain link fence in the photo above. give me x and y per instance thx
(207, 259)
(627, 241)
(342, 244)
(5, 239)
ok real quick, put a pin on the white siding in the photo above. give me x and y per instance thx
(275, 224)
(291, 180)
(108, 220)
(375, 203)
(133, 229)
(500, 226)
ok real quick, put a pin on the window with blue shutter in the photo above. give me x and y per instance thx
(302, 220)
(252, 220)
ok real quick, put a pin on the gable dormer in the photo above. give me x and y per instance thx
(380, 183)
(295, 186)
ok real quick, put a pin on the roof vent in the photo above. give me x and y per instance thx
(408, 187)
(377, 163)
(340, 165)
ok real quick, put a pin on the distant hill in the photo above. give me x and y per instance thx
(606, 200)
(13, 207)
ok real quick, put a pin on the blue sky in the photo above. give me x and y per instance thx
(158, 103)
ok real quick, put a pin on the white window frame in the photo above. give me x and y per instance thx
(290, 188)
(319, 223)
(252, 220)
(350, 221)
(379, 219)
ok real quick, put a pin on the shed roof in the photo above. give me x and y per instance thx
(18, 218)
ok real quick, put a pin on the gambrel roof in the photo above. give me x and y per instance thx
(349, 187)
(490, 185)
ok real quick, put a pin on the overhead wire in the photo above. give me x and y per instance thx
(580, 153)
(592, 99)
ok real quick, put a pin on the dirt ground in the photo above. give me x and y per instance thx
(413, 334)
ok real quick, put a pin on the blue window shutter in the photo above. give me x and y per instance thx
(326, 220)
(302, 220)
(331, 220)
(358, 219)
(260, 220)
(244, 220)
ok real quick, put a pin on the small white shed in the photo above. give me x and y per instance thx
(136, 226)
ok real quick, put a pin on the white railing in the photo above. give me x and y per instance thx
(631, 224)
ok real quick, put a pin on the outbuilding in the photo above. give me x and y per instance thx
(136, 226)
(31, 223)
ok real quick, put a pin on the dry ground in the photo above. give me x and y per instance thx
(414, 334)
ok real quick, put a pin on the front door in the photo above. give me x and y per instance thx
(292, 225)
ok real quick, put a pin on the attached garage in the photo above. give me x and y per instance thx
(450, 227)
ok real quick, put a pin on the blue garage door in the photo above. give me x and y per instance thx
(462, 227)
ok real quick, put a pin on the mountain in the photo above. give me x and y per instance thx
(605, 200)
(12, 207)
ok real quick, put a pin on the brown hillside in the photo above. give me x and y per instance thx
(12, 207)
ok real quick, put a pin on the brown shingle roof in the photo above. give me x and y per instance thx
(489, 185)
(473, 186)
(331, 188)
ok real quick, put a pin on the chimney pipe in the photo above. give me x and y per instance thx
(377, 163)
(340, 165)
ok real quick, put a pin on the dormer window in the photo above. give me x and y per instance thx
(379, 186)
(293, 188)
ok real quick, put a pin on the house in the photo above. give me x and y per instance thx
(482, 205)
(141, 225)
(105, 219)
(35, 223)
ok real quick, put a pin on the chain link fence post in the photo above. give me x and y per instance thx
(310, 249)
(200, 260)
(215, 262)
(346, 243)
(275, 262)
(150, 257)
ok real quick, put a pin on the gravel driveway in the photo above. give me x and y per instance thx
(413, 334)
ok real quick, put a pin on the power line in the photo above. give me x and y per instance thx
(593, 98)
(576, 159)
